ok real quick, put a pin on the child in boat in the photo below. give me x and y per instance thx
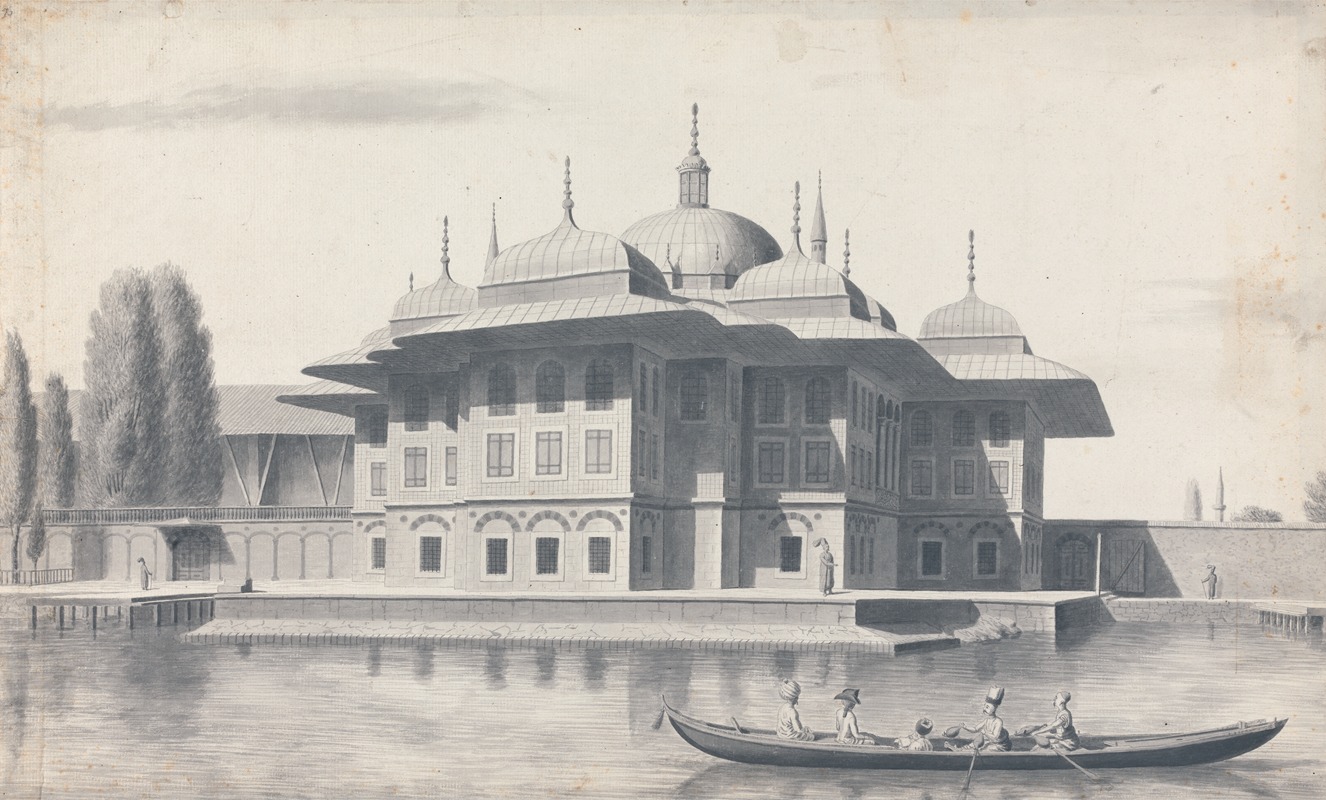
(845, 720)
(990, 731)
(1059, 732)
(789, 720)
(917, 740)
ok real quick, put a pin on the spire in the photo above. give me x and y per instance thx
(796, 216)
(1220, 494)
(819, 237)
(446, 248)
(492, 239)
(971, 262)
(847, 252)
(693, 172)
(567, 202)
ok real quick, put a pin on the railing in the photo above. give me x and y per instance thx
(35, 577)
(203, 514)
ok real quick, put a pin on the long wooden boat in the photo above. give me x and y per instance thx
(736, 742)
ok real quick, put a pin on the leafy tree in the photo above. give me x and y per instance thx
(1315, 505)
(122, 443)
(37, 534)
(192, 446)
(1258, 514)
(18, 441)
(56, 432)
(1192, 504)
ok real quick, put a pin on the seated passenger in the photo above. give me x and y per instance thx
(845, 719)
(918, 740)
(990, 731)
(1059, 732)
(789, 721)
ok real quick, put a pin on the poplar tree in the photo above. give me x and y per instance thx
(56, 432)
(192, 446)
(37, 535)
(18, 442)
(122, 437)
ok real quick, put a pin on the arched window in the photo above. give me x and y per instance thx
(694, 397)
(999, 429)
(923, 429)
(550, 388)
(501, 391)
(598, 386)
(773, 401)
(964, 428)
(817, 401)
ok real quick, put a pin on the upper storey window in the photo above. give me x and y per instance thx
(964, 429)
(598, 386)
(999, 429)
(416, 409)
(694, 397)
(550, 388)
(817, 402)
(644, 388)
(773, 402)
(375, 426)
(923, 429)
(856, 419)
(501, 391)
(653, 401)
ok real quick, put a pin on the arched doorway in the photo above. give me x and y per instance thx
(1076, 563)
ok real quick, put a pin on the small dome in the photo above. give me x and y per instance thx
(376, 337)
(802, 280)
(442, 298)
(691, 240)
(969, 317)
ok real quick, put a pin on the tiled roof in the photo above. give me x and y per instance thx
(704, 241)
(329, 396)
(1007, 367)
(253, 409)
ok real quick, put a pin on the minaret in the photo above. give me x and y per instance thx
(693, 190)
(971, 262)
(567, 202)
(492, 239)
(796, 216)
(847, 253)
(819, 236)
(1220, 495)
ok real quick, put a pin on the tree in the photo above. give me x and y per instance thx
(1192, 505)
(1258, 514)
(192, 436)
(1315, 505)
(18, 441)
(56, 432)
(122, 443)
(37, 534)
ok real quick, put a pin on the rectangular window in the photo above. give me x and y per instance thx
(932, 559)
(870, 556)
(379, 554)
(495, 551)
(641, 457)
(548, 453)
(654, 392)
(416, 467)
(547, 552)
(734, 397)
(377, 478)
(430, 553)
(501, 455)
(870, 470)
(852, 461)
(694, 397)
(772, 462)
(416, 409)
(598, 452)
(964, 477)
(655, 457)
(600, 555)
(999, 429)
(375, 426)
(789, 554)
(987, 559)
(999, 477)
(816, 461)
(451, 466)
(773, 402)
(646, 555)
(923, 478)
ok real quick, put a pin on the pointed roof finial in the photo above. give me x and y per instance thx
(695, 129)
(492, 238)
(446, 250)
(567, 202)
(796, 215)
(971, 261)
(819, 234)
(412, 281)
(847, 252)
(668, 257)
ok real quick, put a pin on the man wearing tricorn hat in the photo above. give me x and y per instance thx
(845, 719)
(990, 731)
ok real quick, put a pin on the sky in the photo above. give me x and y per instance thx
(1146, 182)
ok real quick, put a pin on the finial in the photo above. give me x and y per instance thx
(971, 260)
(412, 281)
(847, 252)
(668, 257)
(567, 202)
(492, 238)
(446, 248)
(718, 255)
(695, 129)
(796, 214)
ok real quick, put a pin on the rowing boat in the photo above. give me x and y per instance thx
(735, 742)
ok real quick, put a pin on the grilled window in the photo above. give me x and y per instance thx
(416, 409)
(550, 388)
(547, 555)
(430, 553)
(598, 386)
(379, 554)
(694, 397)
(501, 391)
(600, 555)
(999, 429)
(789, 554)
(773, 401)
(987, 558)
(496, 557)
(932, 559)
(817, 402)
(646, 554)
(375, 426)
(964, 429)
(923, 429)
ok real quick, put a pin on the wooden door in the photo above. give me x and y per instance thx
(1075, 567)
(191, 561)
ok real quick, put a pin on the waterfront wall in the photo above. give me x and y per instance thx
(1253, 560)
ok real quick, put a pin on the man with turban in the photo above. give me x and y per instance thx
(1059, 732)
(789, 719)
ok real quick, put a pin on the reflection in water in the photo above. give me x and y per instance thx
(987, 660)
(423, 662)
(546, 663)
(785, 665)
(374, 660)
(494, 667)
(594, 667)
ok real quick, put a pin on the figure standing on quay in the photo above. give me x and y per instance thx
(1209, 582)
(144, 574)
(826, 567)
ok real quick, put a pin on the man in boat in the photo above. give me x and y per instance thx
(789, 719)
(917, 740)
(990, 731)
(1058, 733)
(845, 720)
(826, 566)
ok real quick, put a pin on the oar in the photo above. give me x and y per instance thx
(658, 721)
(974, 753)
(1076, 765)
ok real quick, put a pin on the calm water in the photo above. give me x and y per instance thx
(143, 715)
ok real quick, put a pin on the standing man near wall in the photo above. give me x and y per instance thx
(1209, 582)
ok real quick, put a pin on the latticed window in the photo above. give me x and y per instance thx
(600, 555)
(999, 477)
(964, 477)
(818, 399)
(789, 554)
(734, 397)
(501, 391)
(923, 478)
(964, 428)
(501, 455)
(378, 478)
(870, 414)
(598, 386)
(375, 426)
(694, 397)
(816, 468)
(772, 462)
(495, 557)
(416, 409)
(550, 388)
(932, 559)
(646, 554)
(655, 457)
(598, 452)
(773, 401)
(379, 555)
(416, 467)
(654, 388)
(548, 453)
(923, 429)
(430, 553)
(999, 429)
(641, 455)
(987, 558)
(855, 409)
(547, 555)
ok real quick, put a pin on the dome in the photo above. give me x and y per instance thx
(969, 317)
(442, 298)
(797, 286)
(694, 240)
(378, 336)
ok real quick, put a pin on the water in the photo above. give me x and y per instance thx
(142, 715)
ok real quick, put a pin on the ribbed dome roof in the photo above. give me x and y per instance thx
(692, 240)
(567, 252)
(442, 298)
(797, 277)
(970, 316)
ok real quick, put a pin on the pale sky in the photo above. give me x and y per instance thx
(1147, 182)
